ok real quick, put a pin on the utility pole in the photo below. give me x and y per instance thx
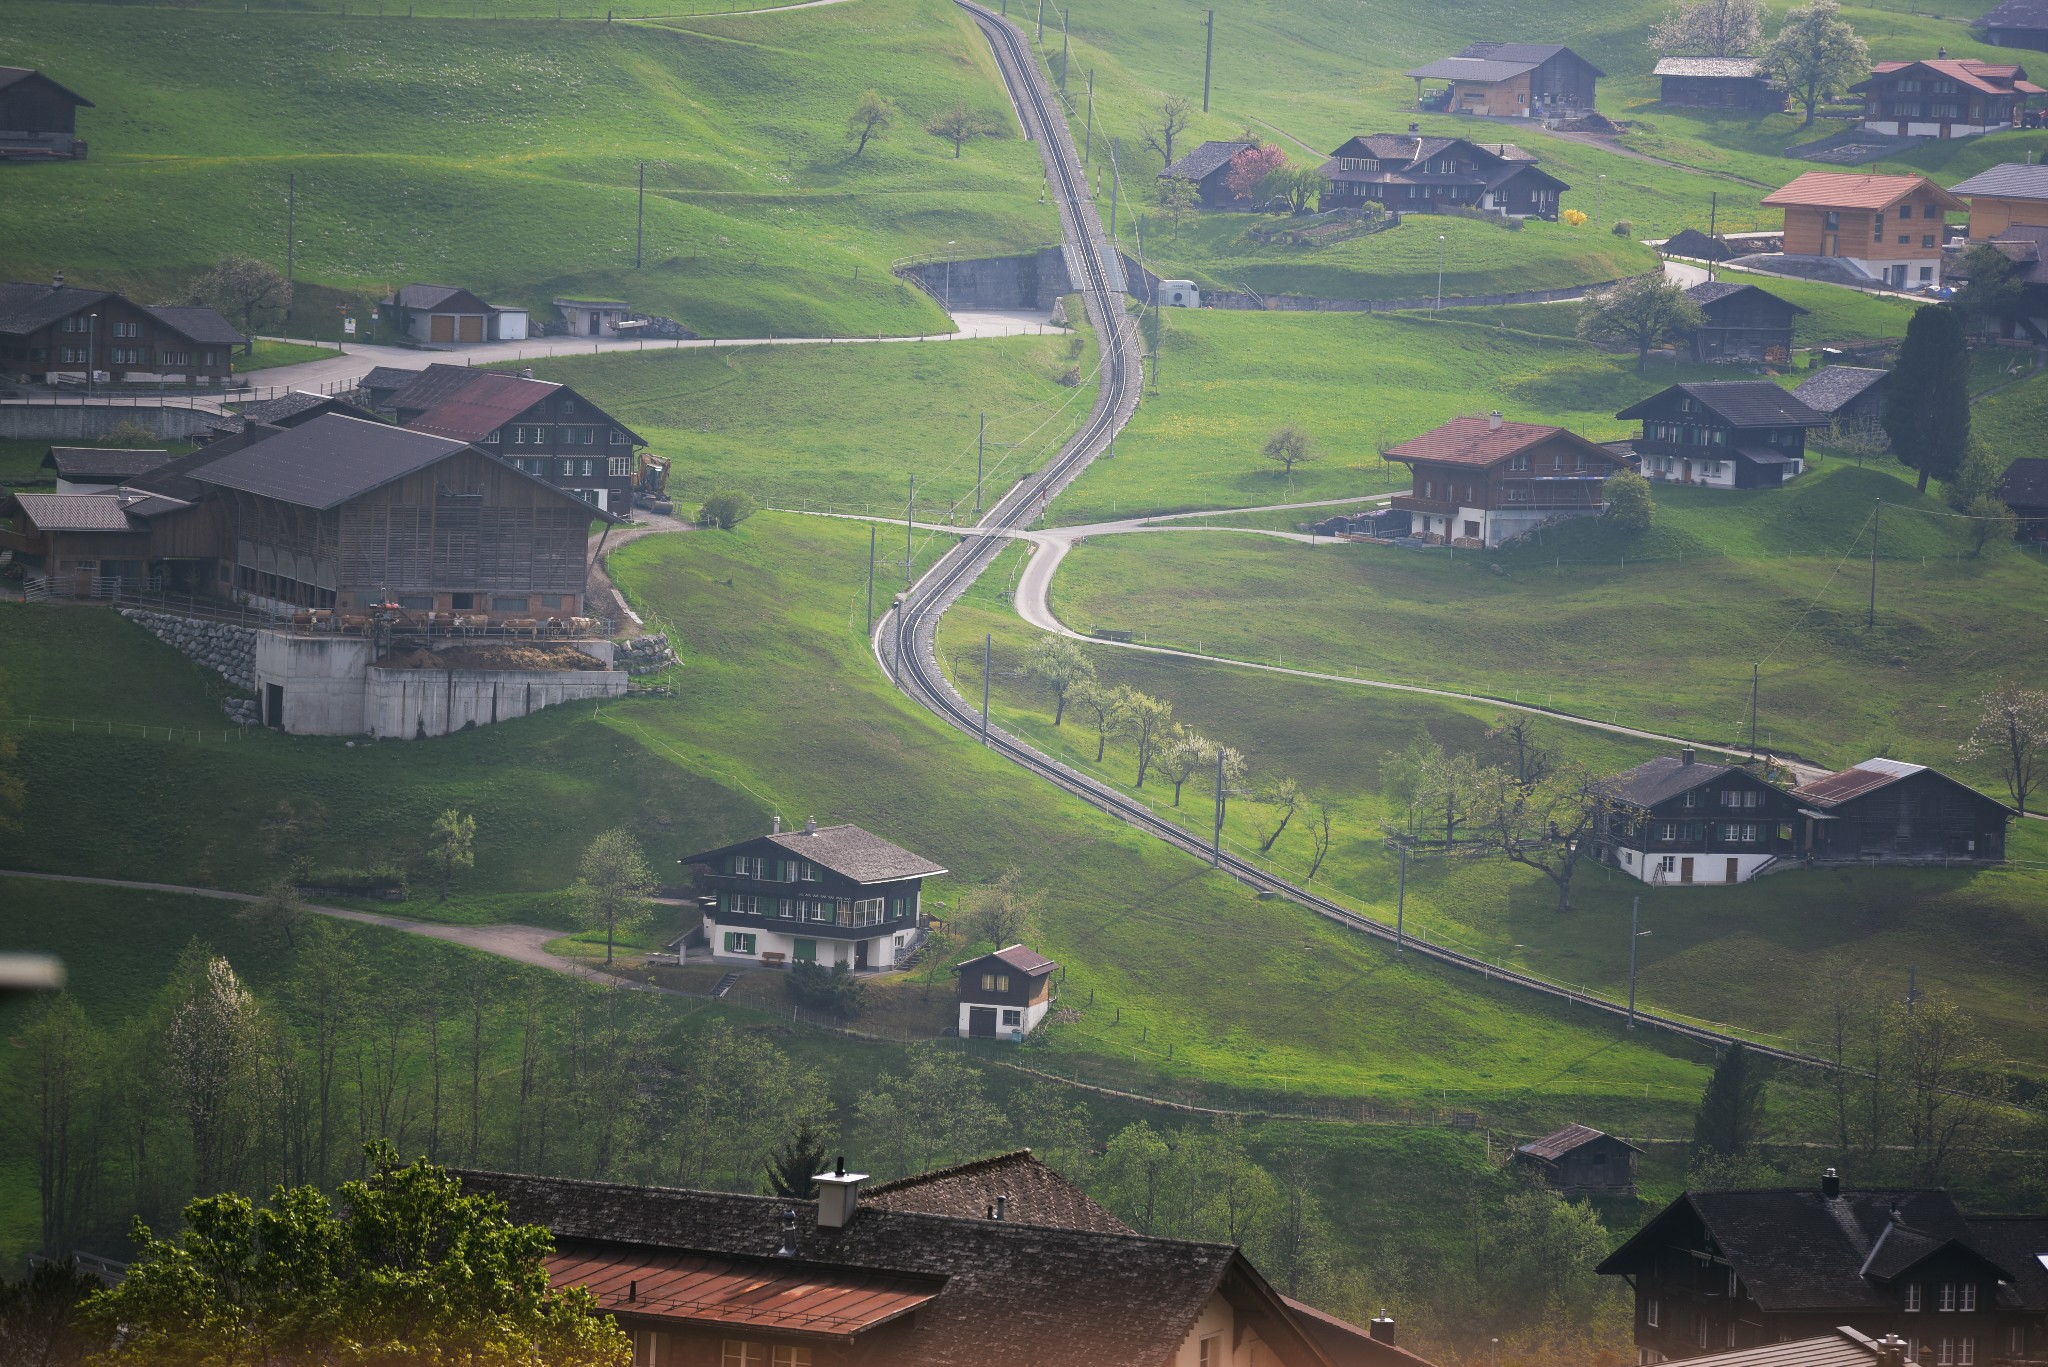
(1876, 519)
(1912, 985)
(1114, 144)
(896, 660)
(1635, 912)
(871, 578)
(986, 650)
(1088, 142)
(640, 221)
(1041, 21)
(1401, 905)
(291, 239)
(1216, 837)
(1208, 52)
(909, 513)
(980, 442)
(1064, 12)
(1754, 670)
(1713, 222)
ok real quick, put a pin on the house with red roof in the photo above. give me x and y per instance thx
(1888, 228)
(1483, 482)
(1887, 811)
(1949, 97)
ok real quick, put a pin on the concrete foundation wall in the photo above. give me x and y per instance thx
(322, 678)
(1003, 282)
(412, 704)
(83, 422)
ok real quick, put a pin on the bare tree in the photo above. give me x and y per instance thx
(2012, 726)
(1288, 447)
(49, 1100)
(958, 124)
(238, 286)
(1060, 663)
(1954, 1082)
(1542, 826)
(1167, 121)
(1285, 797)
(1004, 912)
(1710, 28)
(1148, 721)
(612, 887)
(874, 114)
(1516, 732)
(1321, 818)
(279, 909)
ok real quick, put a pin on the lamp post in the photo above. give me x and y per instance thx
(92, 356)
(1599, 186)
(1442, 249)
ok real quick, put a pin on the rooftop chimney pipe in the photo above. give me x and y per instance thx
(1381, 1328)
(1415, 128)
(775, 828)
(57, 281)
(1002, 1207)
(1687, 755)
(1493, 421)
(1891, 1351)
(527, 373)
(1830, 1184)
(838, 1196)
(788, 1249)
(810, 825)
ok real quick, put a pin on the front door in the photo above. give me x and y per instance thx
(273, 705)
(804, 951)
(860, 949)
(593, 324)
(1685, 471)
(981, 1022)
(441, 327)
(1733, 866)
(1685, 869)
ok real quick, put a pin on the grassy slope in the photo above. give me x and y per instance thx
(502, 156)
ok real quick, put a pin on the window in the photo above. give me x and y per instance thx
(1905, 239)
(589, 468)
(1832, 220)
(568, 469)
(1734, 1293)
(510, 604)
(417, 602)
(1739, 833)
(1966, 1351)
(490, 438)
(1948, 1297)
(1668, 864)
(1912, 1297)
(1653, 1312)
(1946, 1355)
(1692, 799)
(620, 467)
(790, 1355)
(810, 872)
(1927, 272)
(1877, 227)
(1012, 1016)
(995, 982)
(133, 356)
(736, 1353)
(896, 906)
(868, 911)
(551, 600)
(643, 1348)
(1667, 830)
(74, 324)
(740, 903)
(739, 942)
(1209, 1352)
(785, 907)
(1969, 1297)
(127, 329)
(618, 438)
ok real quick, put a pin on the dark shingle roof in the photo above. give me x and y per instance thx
(27, 307)
(77, 512)
(1106, 1299)
(1037, 1194)
(1494, 62)
(856, 854)
(99, 462)
(1714, 291)
(173, 478)
(1558, 1143)
(1735, 68)
(1696, 244)
(1204, 161)
(2017, 14)
(11, 74)
(292, 405)
(418, 296)
(2026, 483)
(1739, 403)
(2019, 1244)
(1025, 960)
(198, 322)
(2010, 180)
(387, 377)
(1827, 389)
(327, 462)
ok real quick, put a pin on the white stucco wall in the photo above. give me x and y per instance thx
(1218, 1323)
(881, 947)
(1032, 1015)
(1708, 870)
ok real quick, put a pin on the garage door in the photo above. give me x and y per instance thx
(441, 327)
(981, 1022)
(472, 327)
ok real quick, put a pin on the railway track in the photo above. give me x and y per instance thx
(903, 639)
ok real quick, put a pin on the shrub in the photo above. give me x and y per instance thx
(133, 436)
(1629, 502)
(1624, 228)
(1575, 218)
(379, 880)
(835, 990)
(727, 509)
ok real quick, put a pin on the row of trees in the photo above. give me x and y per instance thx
(875, 116)
(1815, 54)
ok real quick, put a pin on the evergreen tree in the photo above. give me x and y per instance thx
(1927, 415)
(793, 1169)
(1731, 1113)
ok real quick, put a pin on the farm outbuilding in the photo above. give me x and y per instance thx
(1581, 1161)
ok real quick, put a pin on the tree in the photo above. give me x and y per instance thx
(1004, 912)
(726, 510)
(1285, 797)
(874, 114)
(1320, 829)
(1167, 120)
(399, 1267)
(934, 1113)
(1297, 185)
(41, 1316)
(1054, 1126)
(958, 124)
(836, 991)
(1249, 169)
(794, 1167)
(1131, 1174)
(1992, 287)
(1543, 825)
(1058, 661)
(1449, 784)
(1178, 198)
(612, 887)
(1644, 312)
(51, 1091)
(1189, 753)
(1988, 518)
(1288, 447)
(279, 909)
(1979, 476)
(1927, 409)
(1148, 721)
(12, 789)
(210, 1047)
(1953, 1078)
(1710, 28)
(2012, 728)
(1731, 1114)
(1816, 55)
(1515, 732)
(1097, 701)
(453, 846)
(238, 286)
(1629, 501)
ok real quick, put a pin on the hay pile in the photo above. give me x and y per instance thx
(493, 655)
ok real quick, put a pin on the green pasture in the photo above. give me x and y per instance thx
(270, 353)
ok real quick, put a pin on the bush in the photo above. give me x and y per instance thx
(727, 509)
(1575, 218)
(131, 435)
(835, 990)
(1624, 228)
(381, 880)
(1629, 502)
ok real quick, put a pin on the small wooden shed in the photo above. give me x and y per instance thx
(1579, 1160)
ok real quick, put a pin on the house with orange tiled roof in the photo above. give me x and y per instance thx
(1949, 97)
(1890, 228)
(1483, 482)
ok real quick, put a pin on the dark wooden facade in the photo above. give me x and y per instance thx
(1481, 482)
(1917, 815)
(1718, 83)
(1944, 98)
(1207, 168)
(1413, 174)
(57, 331)
(1580, 1161)
(1731, 435)
(1743, 323)
(548, 430)
(1687, 823)
(761, 886)
(38, 117)
(2017, 23)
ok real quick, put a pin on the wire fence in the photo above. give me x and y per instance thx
(131, 730)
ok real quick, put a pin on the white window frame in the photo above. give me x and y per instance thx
(790, 1355)
(1013, 1016)
(619, 468)
(1912, 1298)
(1966, 1351)
(740, 942)
(1653, 1313)
(1968, 1298)
(568, 469)
(870, 911)
(1209, 1352)
(1947, 1304)
(741, 1353)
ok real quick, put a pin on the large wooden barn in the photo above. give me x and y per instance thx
(38, 117)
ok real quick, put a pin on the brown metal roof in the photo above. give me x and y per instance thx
(1843, 1348)
(788, 1297)
(1989, 77)
(1035, 1194)
(1866, 777)
(1558, 1143)
(488, 401)
(1473, 441)
(1847, 190)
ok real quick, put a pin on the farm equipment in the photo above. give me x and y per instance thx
(650, 490)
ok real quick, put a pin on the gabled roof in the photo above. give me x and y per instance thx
(173, 478)
(451, 298)
(387, 377)
(1991, 78)
(1832, 386)
(327, 462)
(1571, 1138)
(1034, 1193)
(1845, 1347)
(2019, 1244)
(1663, 778)
(846, 850)
(432, 385)
(1694, 243)
(299, 404)
(1488, 62)
(1204, 161)
(772, 1295)
(196, 321)
(11, 75)
(1739, 403)
(1106, 1299)
(2009, 180)
(1476, 442)
(1847, 190)
(1348, 1345)
(2017, 14)
(1026, 961)
(2026, 246)
(1832, 790)
(1714, 291)
(26, 306)
(1730, 68)
(78, 512)
(2025, 485)
(484, 402)
(99, 462)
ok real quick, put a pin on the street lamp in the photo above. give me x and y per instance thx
(92, 321)
(1598, 186)
(1442, 247)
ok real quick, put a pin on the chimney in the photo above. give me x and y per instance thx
(810, 825)
(57, 281)
(1381, 1327)
(788, 1249)
(1941, 54)
(1891, 1351)
(838, 1195)
(1687, 755)
(775, 824)
(1493, 421)
(1002, 1207)
(1830, 1184)
(632, 1291)
(527, 373)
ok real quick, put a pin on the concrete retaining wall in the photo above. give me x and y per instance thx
(1035, 281)
(92, 422)
(412, 704)
(1141, 283)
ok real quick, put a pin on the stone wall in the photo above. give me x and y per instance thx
(1035, 281)
(645, 654)
(1141, 283)
(92, 422)
(227, 650)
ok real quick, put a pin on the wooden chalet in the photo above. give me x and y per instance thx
(1677, 822)
(986, 1262)
(2025, 318)
(59, 332)
(1718, 83)
(1579, 1160)
(381, 384)
(1850, 397)
(1483, 482)
(1889, 228)
(91, 545)
(1513, 81)
(1884, 811)
(1410, 173)
(546, 429)
(1720, 1271)
(2024, 489)
(1207, 168)
(446, 314)
(1948, 97)
(1743, 323)
(38, 117)
(98, 469)
(2012, 194)
(2017, 23)
(827, 895)
(1004, 995)
(1729, 434)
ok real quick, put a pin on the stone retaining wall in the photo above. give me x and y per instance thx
(644, 654)
(92, 422)
(1141, 283)
(227, 650)
(1033, 281)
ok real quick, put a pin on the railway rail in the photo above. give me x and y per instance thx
(904, 636)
